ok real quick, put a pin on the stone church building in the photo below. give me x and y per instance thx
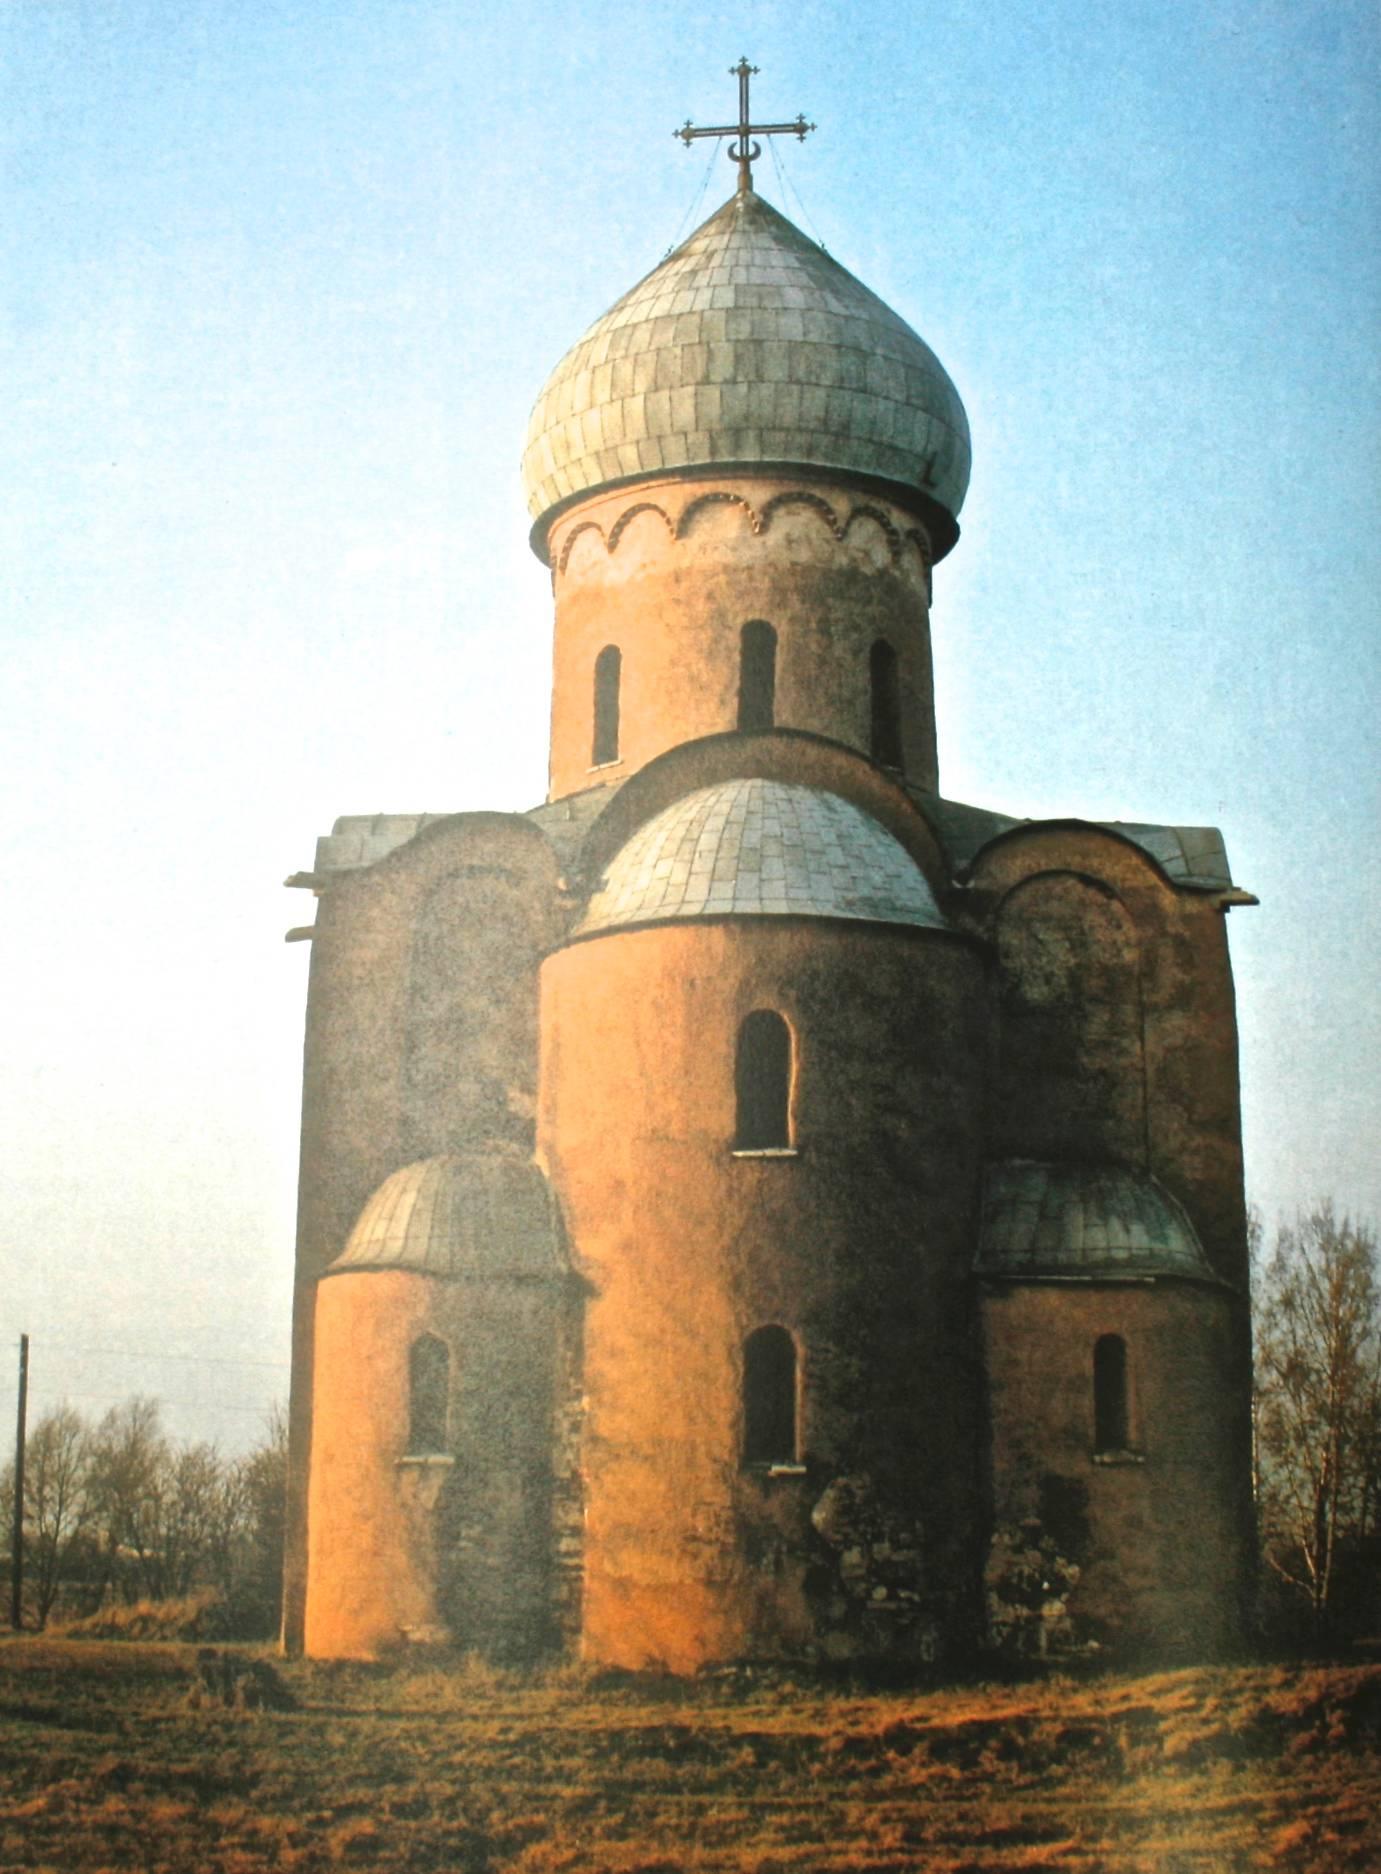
(753, 1206)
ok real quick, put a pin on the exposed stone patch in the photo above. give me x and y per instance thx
(872, 1590)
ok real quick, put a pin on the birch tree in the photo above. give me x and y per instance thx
(1318, 1404)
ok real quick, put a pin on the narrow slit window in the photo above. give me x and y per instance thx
(757, 675)
(769, 1397)
(1110, 1427)
(762, 1079)
(608, 670)
(885, 687)
(429, 1385)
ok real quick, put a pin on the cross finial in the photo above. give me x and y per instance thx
(743, 150)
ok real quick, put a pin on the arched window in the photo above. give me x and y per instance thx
(886, 705)
(608, 666)
(762, 1083)
(757, 675)
(1110, 1429)
(429, 1385)
(769, 1397)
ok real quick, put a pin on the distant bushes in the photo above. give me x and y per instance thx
(128, 1533)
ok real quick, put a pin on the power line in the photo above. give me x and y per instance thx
(150, 1353)
(203, 1405)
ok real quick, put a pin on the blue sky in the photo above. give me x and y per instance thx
(280, 286)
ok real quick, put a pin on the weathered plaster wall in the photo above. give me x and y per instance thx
(1071, 1076)
(858, 1245)
(1147, 1548)
(1071, 997)
(371, 1562)
(671, 571)
(421, 1037)
(458, 1545)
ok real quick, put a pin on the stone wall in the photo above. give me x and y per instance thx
(421, 1037)
(857, 1241)
(1072, 992)
(670, 572)
(1144, 1547)
(457, 1545)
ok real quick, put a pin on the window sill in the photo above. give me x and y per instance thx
(764, 1151)
(1117, 1459)
(779, 1469)
(598, 767)
(425, 1460)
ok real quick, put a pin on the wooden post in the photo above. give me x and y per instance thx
(17, 1567)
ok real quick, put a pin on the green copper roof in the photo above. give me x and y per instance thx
(1096, 1222)
(749, 346)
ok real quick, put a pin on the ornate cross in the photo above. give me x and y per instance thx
(743, 150)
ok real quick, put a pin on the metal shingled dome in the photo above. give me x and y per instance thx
(488, 1214)
(1095, 1221)
(761, 849)
(748, 346)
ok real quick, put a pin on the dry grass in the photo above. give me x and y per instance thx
(108, 1762)
(198, 1616)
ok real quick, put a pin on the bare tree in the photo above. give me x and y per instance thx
(117, 1509)
(1318, 1403)
(57, 1511)
(57, 1518)
(262, 1478)
(129, 1457)
(189, 1517)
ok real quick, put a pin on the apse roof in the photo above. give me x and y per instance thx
(489, 1214)
(1096, 1222)
(749, 345)
(761, 848)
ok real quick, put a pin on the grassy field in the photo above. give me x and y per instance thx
(112, 1756)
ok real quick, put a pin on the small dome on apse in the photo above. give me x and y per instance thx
(461, 1215)
(758, 848)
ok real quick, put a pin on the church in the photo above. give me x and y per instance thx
(753, 1207)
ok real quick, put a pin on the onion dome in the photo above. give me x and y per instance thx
(476, 1215)
(761, 849)
(749, 348)
(1062, 1222)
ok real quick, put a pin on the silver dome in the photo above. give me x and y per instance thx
(749, 346)
(761, 849)
(481, 1214)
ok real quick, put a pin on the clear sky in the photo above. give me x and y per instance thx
(280, 284)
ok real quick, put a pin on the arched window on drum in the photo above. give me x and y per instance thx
(608, 677)
(884, 684)
(757, 675)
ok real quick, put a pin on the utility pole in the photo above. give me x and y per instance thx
(17, 1568)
